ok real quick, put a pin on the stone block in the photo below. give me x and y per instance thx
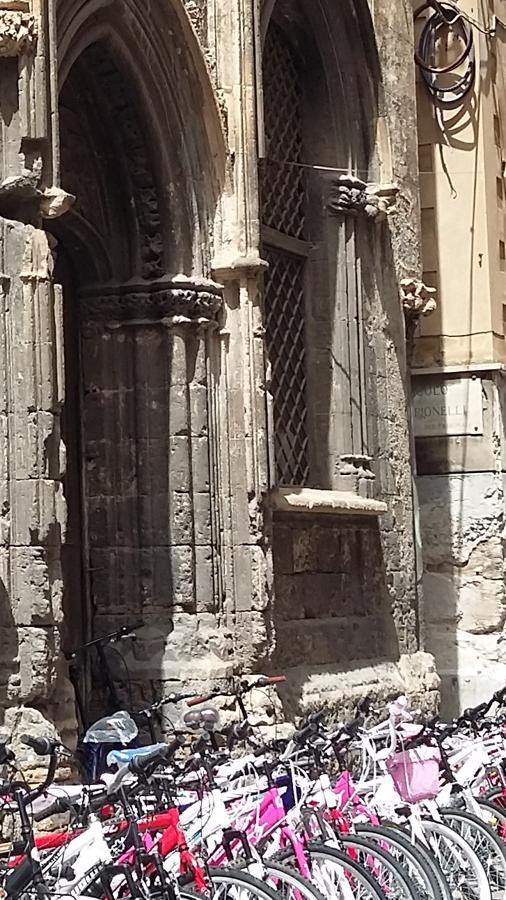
(177, 365)
(282, 548)
(205, 589)
(38, 649)
(114, 579)
(36, 586)
(153, 472)
(481, 606)
(289, 595)
(180, 510)
(332, 550)
(199, 423)
(38, 512)
(440, 591)
(200, 464)
(177, 417)
(154, 514)
(242, 578)
(183, 579)
(330, 595)
(326, 641)
(202, 518)
(305, 549)
(179, 464)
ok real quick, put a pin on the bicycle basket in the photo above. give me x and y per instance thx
(415, 773)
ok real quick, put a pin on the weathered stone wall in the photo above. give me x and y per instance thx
(461, 494)
(346, 593)
(174, 458)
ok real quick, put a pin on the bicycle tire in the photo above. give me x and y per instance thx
(235, 878)
(393, 880)
(460, 865)
(495, 795)
(482, 838)
(496, 817)
(422, 868)
(353, 880)
(304, 888)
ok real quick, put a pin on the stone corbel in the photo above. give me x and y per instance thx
(354, 475)
(417, 299)
(18, 27)
(21, 193)
(351, 196)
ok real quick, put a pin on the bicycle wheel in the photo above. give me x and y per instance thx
(386, 871)
(462, 868)
(234, 884)
(419, 864)
(495, 795)
(494, 817)
(336, 875)
(486, 844)
(288, 883)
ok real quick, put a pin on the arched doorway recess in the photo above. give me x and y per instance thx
(142, 151)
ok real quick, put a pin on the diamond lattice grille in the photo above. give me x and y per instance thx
(283, 184)
(284, 304)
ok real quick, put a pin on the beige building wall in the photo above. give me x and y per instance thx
(462, 153)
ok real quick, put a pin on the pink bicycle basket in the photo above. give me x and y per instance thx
(415, 773)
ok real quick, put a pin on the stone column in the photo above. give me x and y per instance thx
(242, 400)
(358, 207)
(33, 690)
(151, 436)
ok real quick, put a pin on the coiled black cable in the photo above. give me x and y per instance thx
(448, 85)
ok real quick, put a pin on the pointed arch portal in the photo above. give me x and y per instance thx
(142, 151)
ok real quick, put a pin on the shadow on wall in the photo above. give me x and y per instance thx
(9, 658)
(344, 589)
(333, 605)
(139, 547)
(457, 484)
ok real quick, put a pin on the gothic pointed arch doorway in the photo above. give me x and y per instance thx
(138, 327)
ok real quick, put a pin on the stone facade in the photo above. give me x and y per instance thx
(461, 496)
(460, 466)
(147, 464)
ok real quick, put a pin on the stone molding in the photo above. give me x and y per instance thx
(417, 299)
(304, 500)
(240, 267)
(174, 302)
(350, 196)
(18, 28)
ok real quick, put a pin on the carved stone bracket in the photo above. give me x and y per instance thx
(354, 474)
(351, 196)
(22, 198)
(18, 28)
(175, 302)
(417, 299)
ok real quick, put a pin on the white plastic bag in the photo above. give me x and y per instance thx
(118, 728)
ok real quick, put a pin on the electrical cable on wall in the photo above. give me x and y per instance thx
(447, 84)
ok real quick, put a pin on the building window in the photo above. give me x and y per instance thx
(284, 200)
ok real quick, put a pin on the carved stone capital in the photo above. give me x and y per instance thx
(18, 29)
(173, 302)
(350, 196)
(417, 299)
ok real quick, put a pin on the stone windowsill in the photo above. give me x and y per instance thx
(293, 499)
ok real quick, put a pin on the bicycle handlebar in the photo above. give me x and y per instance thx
(244, 687)
(42, 746)
(126, 631)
